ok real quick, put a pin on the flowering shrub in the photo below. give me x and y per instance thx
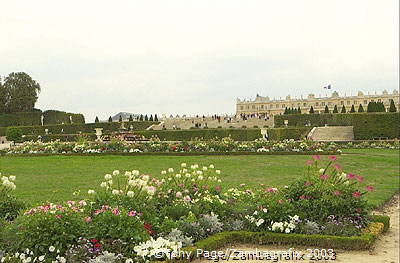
(9, 204)
(215, 145)
(132, 217)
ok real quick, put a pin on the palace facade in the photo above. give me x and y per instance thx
(264, 105)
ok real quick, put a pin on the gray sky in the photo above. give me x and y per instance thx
(184, 56)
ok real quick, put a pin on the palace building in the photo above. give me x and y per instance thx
(264, 105)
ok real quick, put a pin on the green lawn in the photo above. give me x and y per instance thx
(55, 178)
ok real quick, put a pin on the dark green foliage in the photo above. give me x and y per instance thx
(60, 117)
(374, 106)
(10, 207)
(278, 134)
(110, 119)
(34, 118)
(352, 110)
(120, 118)
(343, 109)
(298, 110)
(366, 126)
(141, 117)
(392, 107)
(96, 120)
(146, 118)
(360, 108)
(335, 110)
(18, 93)
(311, 110)
(130, 118)
(155, 117)
(286, 111)
(14, 134)
(326, 110)
(151, 117)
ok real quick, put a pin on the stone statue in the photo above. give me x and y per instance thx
(42, 119)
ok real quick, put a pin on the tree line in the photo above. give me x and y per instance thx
(18, 93)
(140, 117)
(373, 106)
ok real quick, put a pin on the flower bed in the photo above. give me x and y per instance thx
(132, 217)
(224, 145)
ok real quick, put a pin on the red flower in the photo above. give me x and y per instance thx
(337, 167)
(337, 192)
(97, 245)
(302, 197)
(356, 194)
(359, 178)
(316, 157)
(324, 176)
(218, 188)
(94, 240)
(147, 226)
(370, 188)
(332, 158)
(350, 176)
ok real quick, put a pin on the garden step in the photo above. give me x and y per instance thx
(333, 133)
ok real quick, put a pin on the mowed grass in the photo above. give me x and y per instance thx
(55, 178)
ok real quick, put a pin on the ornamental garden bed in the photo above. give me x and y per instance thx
(131, 216)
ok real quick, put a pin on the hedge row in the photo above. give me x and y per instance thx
(34, 118)
(362, 242)
(77, 128)
(366, 125)
(296, 133)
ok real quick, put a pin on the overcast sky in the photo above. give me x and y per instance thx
(184, 56)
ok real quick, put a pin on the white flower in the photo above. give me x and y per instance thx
(265, 210)
(260, 222)
(129, 260)
(217, 171)
(204, 168)
(135, 173)
(91, 192)
(130, 193)
(41, 258)
(115, 192)
(178, 176)
(163, 172)
(170, 170)
(115, 172)
(188, 175)
(12, 178)
(151, 190)
(211, 166)
(321, 171)
(183, 164)
(52, 249)
(200, 177)
(146, 178)
(287, 230)
(108, 177)
(103, 184)
(199, 172)
(127, 173)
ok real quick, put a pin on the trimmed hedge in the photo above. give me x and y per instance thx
(366, 125)
(77, 128)
(34, 118)
(296, 133)
(362, 242)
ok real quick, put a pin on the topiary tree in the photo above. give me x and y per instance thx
(155, 117)
(360, 108)
(299, 110)
(96, 120)
(14, 134)
(286, 111)
(372, 107)
(146, 118)
(110, 119)
(326, 110)
(120, 118)
(352, 110)
(335, 110)
(151, 117)
(311, 110)
(381, 107)
(392, 107)
(141, 117)
(343, 109)
(130, 118)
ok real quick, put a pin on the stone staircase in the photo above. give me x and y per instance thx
(331, 133)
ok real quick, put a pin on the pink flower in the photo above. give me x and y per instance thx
(302, 197)
(195, 189)
(350, 176)
(359, 178)
(218, 188)
(356, 194)
(115, 211)
(332, 158)
(58, 216)
(180, 185)
(242, 185)
(271, 190)
(309, 162)
(324, 176)
(88, 219)
(307, 183)
(337, 167)
(280, 201)
(337, 192)
(316, 157)
(178, 194)
(97, 212)
(131, 213)
(369, 188)
(187, 199)
(204, 187)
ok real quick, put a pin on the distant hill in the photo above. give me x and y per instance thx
(125, 116)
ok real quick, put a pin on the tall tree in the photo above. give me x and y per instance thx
(23, 92)
(335, 110)
(130, 117)
(286, 111)
(371, 107)
(120, 118)
(352, 110)
(4, 98)
(146, 118)
(343, 109)
(151, 117)
(141, 117)
(96, 120)
(299, 110)
(392, 107)
(326, 110)
(311, 110)
(110, 119)
(155, 117)
(360, 108)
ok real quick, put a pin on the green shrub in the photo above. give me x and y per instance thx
(34, 118)
(296, 133)
(10, 206)
(14, 134)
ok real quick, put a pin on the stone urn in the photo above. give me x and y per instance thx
(99, 133)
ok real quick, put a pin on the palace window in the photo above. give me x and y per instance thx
(322, 103)
(253, 107)
(342, 103)
(271, 106)
(329, 103)
(304, 104)
(317, 104)
(355, 102)
(365, 101)
(248, 107)
(277, 105)
(241, 107)
(348, 102)
(283, 105)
